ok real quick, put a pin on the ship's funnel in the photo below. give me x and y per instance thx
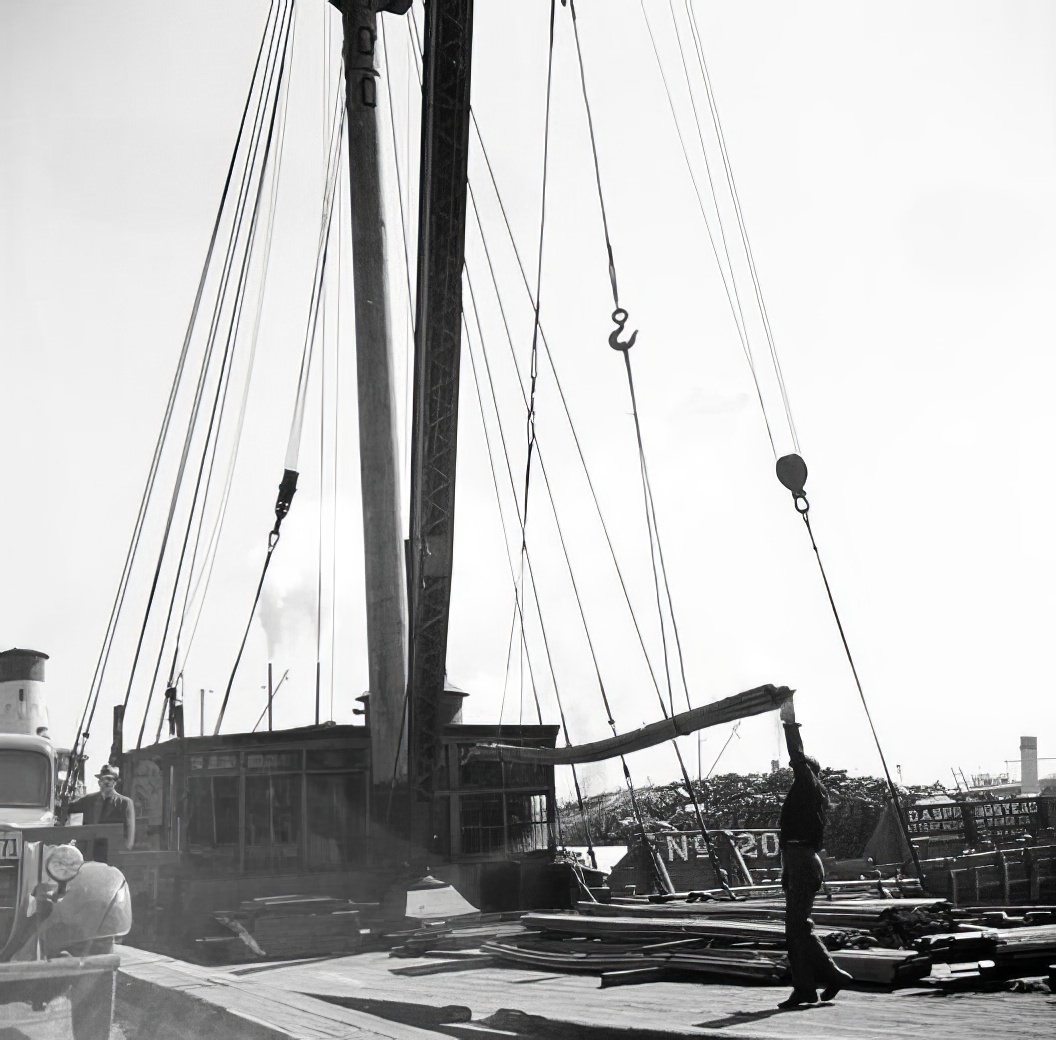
(23, 706)
(1028, 765)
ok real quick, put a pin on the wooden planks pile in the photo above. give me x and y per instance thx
(632, 962)
(836, 913)
(291, 926)
(887, 942)
(651, 945)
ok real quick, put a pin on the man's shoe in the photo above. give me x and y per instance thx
(838, 982)
(798, 998)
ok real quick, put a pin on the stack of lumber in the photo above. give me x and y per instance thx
(887, 942)
(879, 941)
(701, 943)
(629, 962)
(425, 942)
(836, 913)
(293, 926)
(882, 966)
(643, 928)
(1019, 948)
(883, 888)
(961, 974)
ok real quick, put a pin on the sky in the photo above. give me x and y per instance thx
(894, 165)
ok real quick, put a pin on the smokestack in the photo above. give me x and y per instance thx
(23, 706)
(1028, 765)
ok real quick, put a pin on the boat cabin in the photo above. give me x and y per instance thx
(221, 820)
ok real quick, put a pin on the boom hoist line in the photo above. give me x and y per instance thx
(792, 472)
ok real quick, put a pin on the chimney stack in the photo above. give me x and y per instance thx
(23, 706)
(1028, 765)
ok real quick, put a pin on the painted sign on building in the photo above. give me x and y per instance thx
(758, 848)
(684, 855)
(1006, 819)
(976, 821)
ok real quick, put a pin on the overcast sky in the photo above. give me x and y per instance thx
(895, 165)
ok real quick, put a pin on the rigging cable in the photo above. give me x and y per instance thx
(742, 227)
(271, 698)
(523, 513)
(258, 159)
(729, 282)
(791, 469)
(619, 316)
(534, 366)
(95, 687)
(325, 97)
(518, 602)
(558, 386)
(567, 413)
(792, 472)
(537, 336)
(205, 574)
(288, 484)
(335, 446)
(203, 372)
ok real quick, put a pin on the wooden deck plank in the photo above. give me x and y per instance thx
(246, 1006)
(667, 1009)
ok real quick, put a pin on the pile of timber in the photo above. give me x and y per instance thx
(834, 913)
(888, 942)
(454, 936)
(288, 926)
(619, 963)
(637, 947)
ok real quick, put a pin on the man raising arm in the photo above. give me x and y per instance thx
(803, 818)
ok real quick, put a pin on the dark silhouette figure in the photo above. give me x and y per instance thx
(107, 806)
(803, 819)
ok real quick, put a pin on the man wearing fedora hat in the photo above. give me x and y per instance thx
(107, 806)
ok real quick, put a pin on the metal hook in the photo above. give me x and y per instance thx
(620, 317)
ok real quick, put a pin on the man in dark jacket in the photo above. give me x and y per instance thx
(803, 819)
(107, 806)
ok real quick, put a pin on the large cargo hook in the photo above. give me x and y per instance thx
(620, 317)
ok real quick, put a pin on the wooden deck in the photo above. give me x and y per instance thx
(474, 997)
(164, 999)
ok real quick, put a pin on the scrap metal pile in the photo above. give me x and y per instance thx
(733, 800)
(879, 937)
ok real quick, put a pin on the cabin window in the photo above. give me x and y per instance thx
(338, 758)
(25, 779)
(212, 827)
(273, 761)
(506, 823)
(218, 760)
(273, 822)
(266, 814)
(337, 819)
(482, 773)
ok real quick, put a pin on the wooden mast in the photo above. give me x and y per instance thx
(418, 680)
(378, 453)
